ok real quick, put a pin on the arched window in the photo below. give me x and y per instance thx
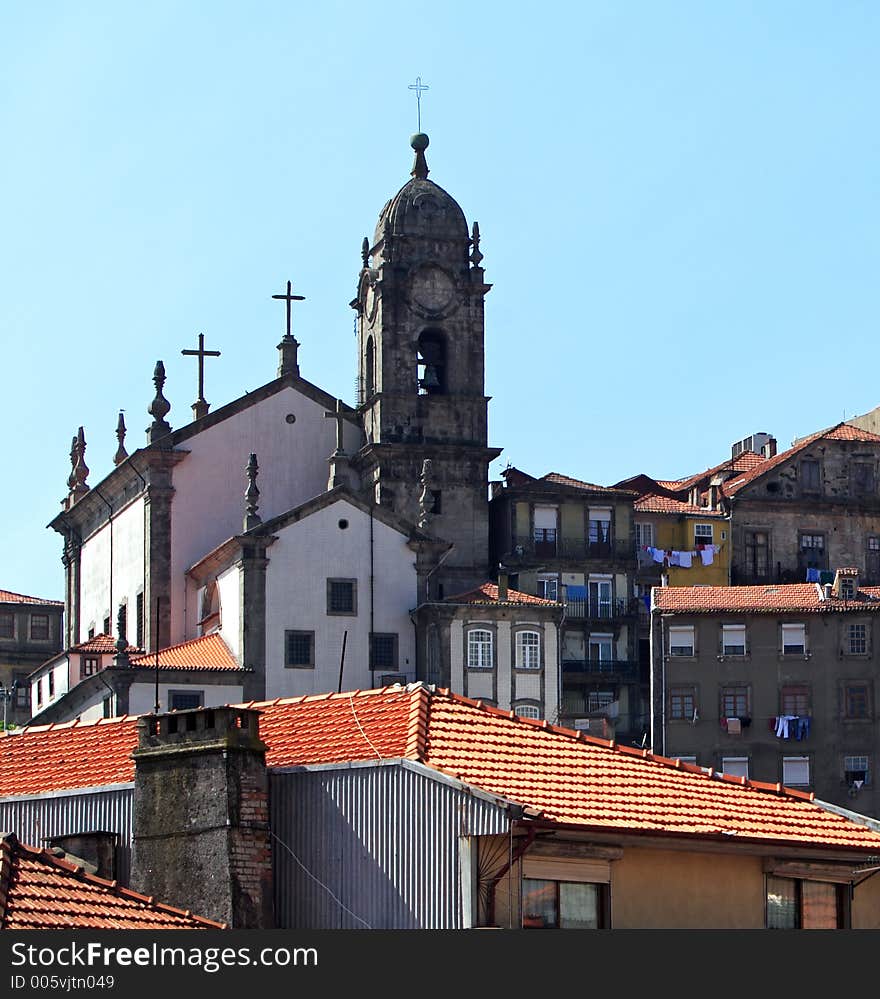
(370, 369)
(480, 649)
(527, 711)
(528, 650)
(431, 360)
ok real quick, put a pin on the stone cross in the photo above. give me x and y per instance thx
(337, 415)
(288, 298)
(200, 406)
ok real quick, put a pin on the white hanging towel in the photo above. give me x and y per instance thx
(684, 559)
(708, 555)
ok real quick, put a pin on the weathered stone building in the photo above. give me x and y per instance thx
(778, 683)
(30, 632)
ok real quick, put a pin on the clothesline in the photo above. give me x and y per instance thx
(683, 559)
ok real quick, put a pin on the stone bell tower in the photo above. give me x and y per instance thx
(421, 373)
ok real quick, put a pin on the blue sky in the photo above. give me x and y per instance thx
(678, 205)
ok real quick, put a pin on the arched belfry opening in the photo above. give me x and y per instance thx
(370, 369)
(431, 362)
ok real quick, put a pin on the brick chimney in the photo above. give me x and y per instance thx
(201, 815)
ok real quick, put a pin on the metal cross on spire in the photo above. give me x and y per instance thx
(200, 406)
(288, 298)
(418, 87)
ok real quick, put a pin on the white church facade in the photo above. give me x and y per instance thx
(329, 546)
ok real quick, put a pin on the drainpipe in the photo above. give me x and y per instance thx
(493, 884)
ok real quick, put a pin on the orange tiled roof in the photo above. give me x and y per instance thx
(102, 644)
(59, 757)
(39, 891)
(8, 597)
(654, 503)
(568, 777)
(840, 432)
(745, 461)
(768, 599)
(566, 480)
(487, 593)
(208, 652)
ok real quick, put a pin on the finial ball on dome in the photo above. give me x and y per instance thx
(419, 142)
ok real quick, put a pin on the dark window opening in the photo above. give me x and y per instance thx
(370, 368)
(7, 626)
(383, 651)
(341, 596)
(810, 480)
(431, 363)
(139, 619)
(40, 626)
(299, 649)
(184, 700)
(436, 501)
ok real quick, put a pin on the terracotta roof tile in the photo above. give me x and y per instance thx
(566, 480)
(8, 597)
(804, 598)
(655, 503)
(487, 593)
(565, 776)
(209, 652)
(73, 754)
(40, 891)
(102, 644)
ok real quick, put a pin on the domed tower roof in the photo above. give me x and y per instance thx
(421, 207)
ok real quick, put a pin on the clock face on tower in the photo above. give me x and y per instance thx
(432, 289)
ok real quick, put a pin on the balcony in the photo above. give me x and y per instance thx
(599, 610)
(548, 545)
(586, 670)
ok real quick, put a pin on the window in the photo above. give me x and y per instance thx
(89, 665)
(599, 533)
(40, 691)
(703, 534)
(7, 625)
(736, 766)
(601, 648)
(527, 711)
(681, 641)
(599, 591)
(682, 704)
(370, 368)
(139, 620)
(757, 554)
(795, 701)
(856, 701)
(734, 702)
(383, 650)
(122, 621)
(185, 700)
(480, 649)
(857, 639)
(644, 535)
(299, 649)
(862, 478)
(810, 478)
(342, 596)
(872, 561)
(599, 699)
(108, 706)
(51, 680)
(436, 501)
(855, 771)
(22, 690)
(107, 630)
(548, 587)
(811, 553)
(796, 771)
(733, 639)
(810, 905)
(564, 905)
(545, 530)
(528, 650)
(40, 626)
(794, 639)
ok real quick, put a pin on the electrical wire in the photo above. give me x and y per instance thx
(357, 722)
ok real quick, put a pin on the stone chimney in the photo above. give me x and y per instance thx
(201, 815)
(502, 582)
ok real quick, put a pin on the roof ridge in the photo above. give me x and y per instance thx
(417, 723)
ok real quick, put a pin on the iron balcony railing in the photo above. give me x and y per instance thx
(622, 668)
(600, 609)
(548, 545)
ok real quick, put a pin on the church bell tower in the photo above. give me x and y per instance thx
(421, 373)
